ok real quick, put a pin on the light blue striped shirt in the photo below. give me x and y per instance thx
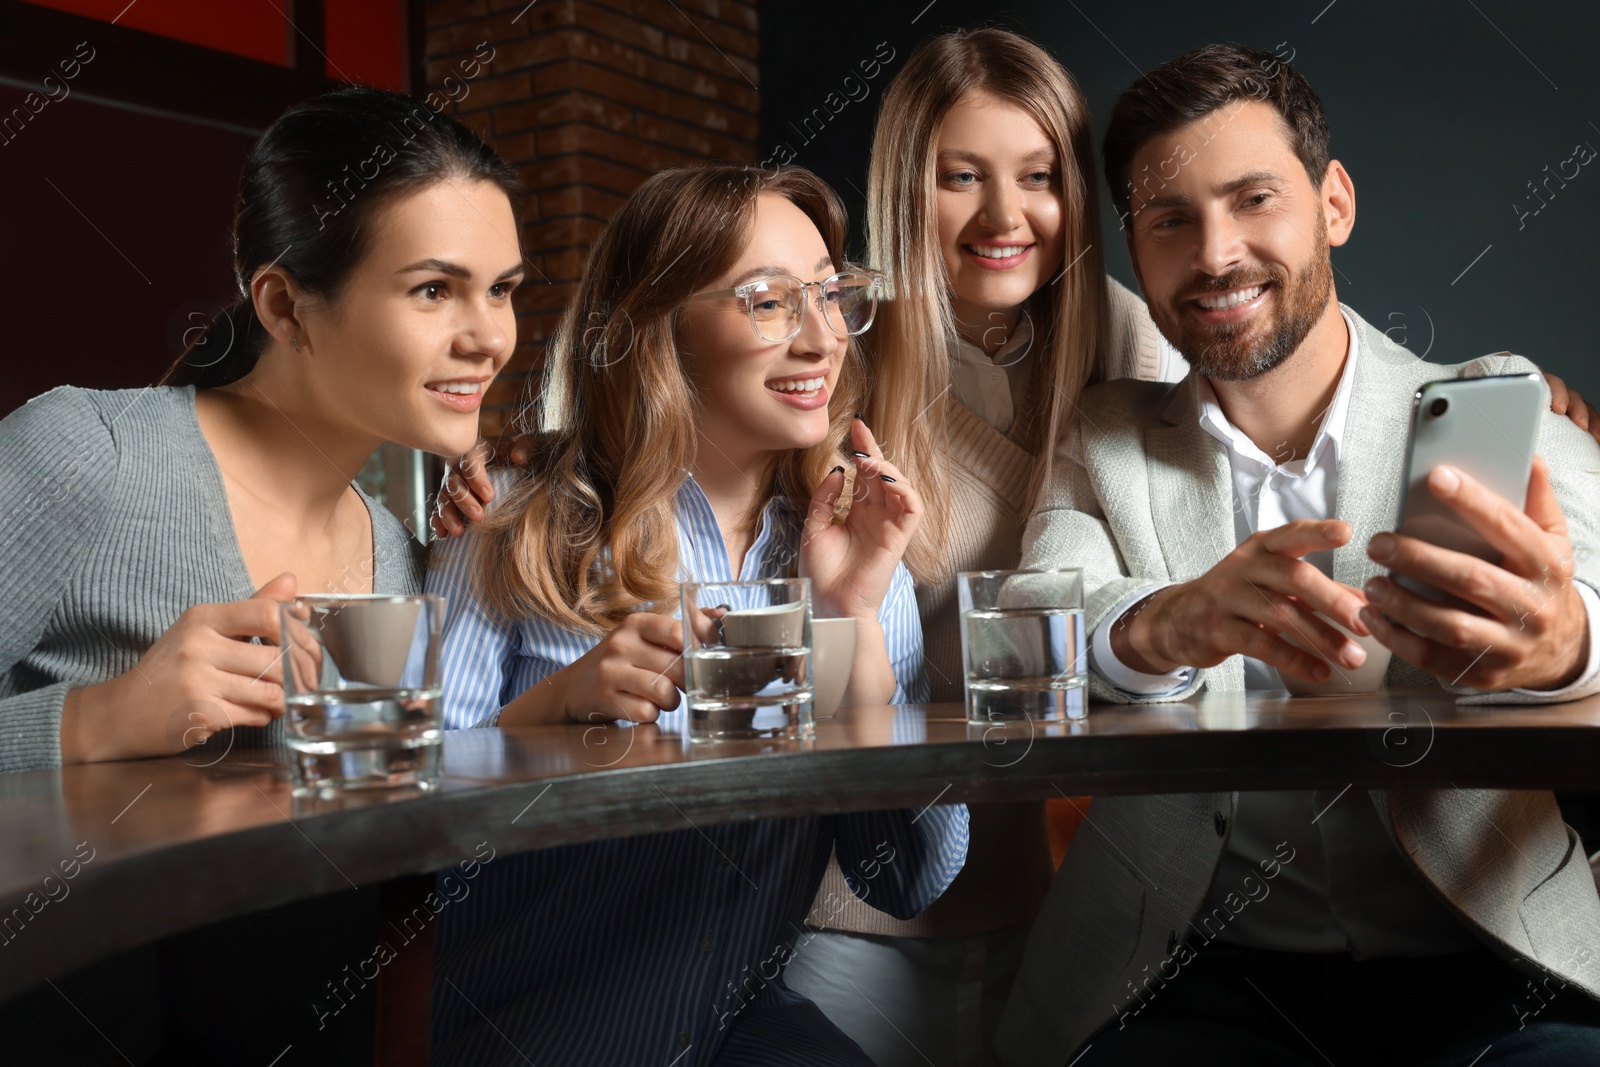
(647, 950)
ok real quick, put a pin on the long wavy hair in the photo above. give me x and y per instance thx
(588, 532)
(914, 342)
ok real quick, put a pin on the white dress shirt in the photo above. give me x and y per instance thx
(991, 387)
(1348, 887)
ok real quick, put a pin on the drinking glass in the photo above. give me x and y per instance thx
(361, 689)
(747, 659)
(1022, 644)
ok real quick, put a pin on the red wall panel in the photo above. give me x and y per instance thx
(116, 233)
(366, 41)
(258, 29)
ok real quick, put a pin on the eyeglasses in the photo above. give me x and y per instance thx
(848, 302)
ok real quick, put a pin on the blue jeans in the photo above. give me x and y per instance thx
(1243, 1007)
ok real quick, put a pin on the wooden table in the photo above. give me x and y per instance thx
(177, 845)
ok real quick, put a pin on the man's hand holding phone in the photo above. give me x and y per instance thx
(1534, 633)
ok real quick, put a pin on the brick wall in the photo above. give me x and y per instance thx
(587, 98)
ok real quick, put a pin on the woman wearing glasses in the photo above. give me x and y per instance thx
(981, 204)
(697, 393)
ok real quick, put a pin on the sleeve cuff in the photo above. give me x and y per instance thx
(33, 729)
(1118, 675)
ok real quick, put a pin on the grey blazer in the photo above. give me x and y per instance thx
(1141, 492)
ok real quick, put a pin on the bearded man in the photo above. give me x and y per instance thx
(1252, 502)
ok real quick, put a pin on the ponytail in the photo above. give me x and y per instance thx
(220, 352)
(307, 201)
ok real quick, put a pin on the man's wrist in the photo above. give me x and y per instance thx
(1131, 639)
(1580, 662)
(1578, 657)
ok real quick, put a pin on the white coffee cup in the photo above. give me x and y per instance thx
(833, 654)
(773, 626)
(1341, 680)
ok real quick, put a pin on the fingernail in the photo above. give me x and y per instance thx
(1377, 591)
(885, 478)
(1369, 616)
(837, 470)
(859, 455)
(1446, 478)
(858, 415)
(1381, 547)
(1352, 655)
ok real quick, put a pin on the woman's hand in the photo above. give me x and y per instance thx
(201, 676)
(633, 674)
(466, 491)
(850, 563)
(1567, 401)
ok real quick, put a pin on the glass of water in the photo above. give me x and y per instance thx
(747, 659)
(1022, 645)
(361, 685)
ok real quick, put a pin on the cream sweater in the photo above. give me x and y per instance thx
(1008, 856)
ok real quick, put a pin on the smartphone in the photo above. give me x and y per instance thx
(1485, 426)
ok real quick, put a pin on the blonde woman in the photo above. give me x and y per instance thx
(982, 210)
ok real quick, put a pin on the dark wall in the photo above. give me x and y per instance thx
(1441, 120)
(113, 230)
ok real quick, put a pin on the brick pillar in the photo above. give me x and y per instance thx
(588, 98)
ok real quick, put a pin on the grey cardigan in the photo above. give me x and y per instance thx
(117, 521)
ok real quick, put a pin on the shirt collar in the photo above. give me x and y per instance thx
(1014, 350)
(1330, 434)
(768, 554)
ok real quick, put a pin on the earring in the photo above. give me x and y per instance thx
(295, 341)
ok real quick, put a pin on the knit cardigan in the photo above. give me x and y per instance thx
(1008, 866)
(119, 523)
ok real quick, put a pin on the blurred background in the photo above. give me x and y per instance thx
(1446, 114)
(123, 126)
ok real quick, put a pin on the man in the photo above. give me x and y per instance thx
(1217, 515)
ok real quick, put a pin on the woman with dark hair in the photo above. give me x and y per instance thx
(375, 251)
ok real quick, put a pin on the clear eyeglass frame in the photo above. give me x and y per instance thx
(783, 324)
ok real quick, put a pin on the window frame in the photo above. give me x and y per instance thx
(151, 72)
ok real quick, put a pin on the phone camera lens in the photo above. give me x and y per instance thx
(1438, 407)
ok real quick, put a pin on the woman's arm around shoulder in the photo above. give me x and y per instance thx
(1135, 347)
